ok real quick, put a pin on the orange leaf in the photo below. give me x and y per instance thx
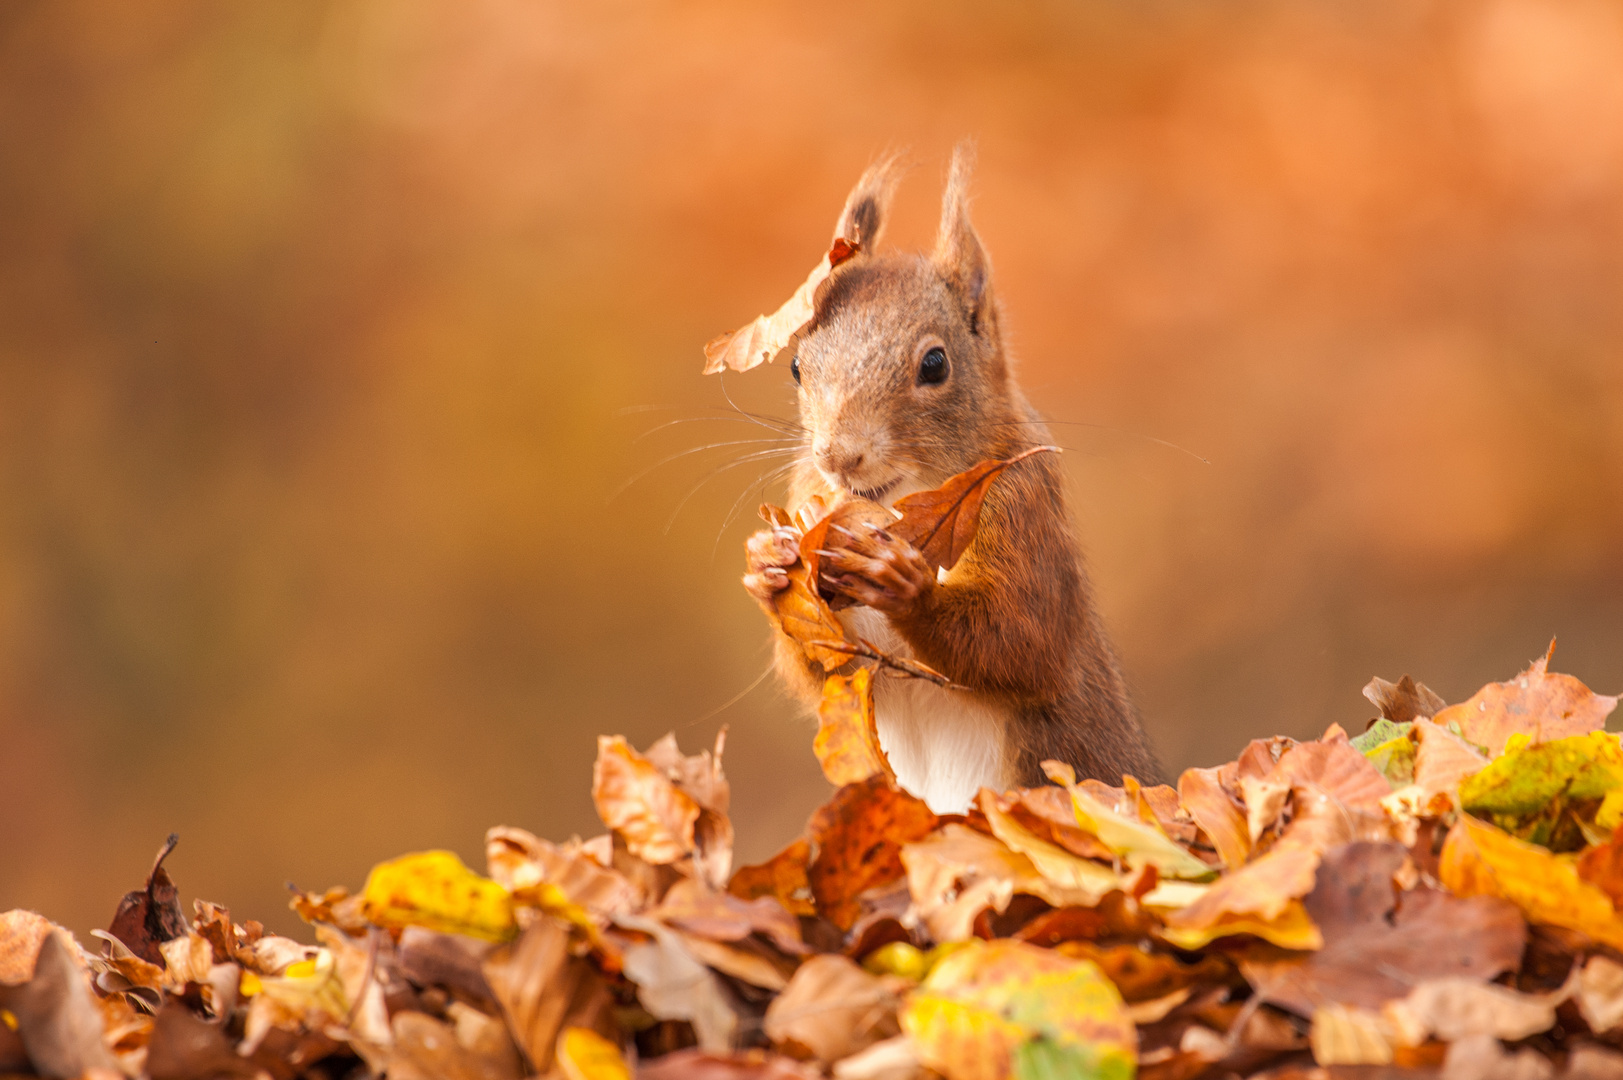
(640, 803)
(1535, 703)
(1602, 866)
(783, 877)
(1202, 794)
(941, 523)
(800, 612)
(847, 743)
(859, 836)
(767, 335)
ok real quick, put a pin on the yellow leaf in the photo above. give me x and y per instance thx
(433, 889)
(1480, 859)
(1054, 863)
(994, 1009)
(847, 743)
(1292, 928)
(583, 1054)
(1138, 844)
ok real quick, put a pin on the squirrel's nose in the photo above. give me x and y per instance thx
(839, 460)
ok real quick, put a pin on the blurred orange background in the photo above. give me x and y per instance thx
(328, 331)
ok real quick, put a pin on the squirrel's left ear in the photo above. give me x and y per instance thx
(959, 257)
(868, 205)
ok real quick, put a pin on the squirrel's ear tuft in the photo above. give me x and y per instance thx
(868, 205)
(959, 257)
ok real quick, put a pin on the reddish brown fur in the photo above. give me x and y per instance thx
(1015, 620)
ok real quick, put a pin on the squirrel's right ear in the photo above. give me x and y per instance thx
(868, 205)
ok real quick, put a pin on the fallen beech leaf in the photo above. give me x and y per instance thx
(1534, 703)
(640, 803)
(1141, 976)
(1262, 890)
(1202, 794)
(1292, 928)
(434, 889)
(55, 1014)
(1444, 759)
(1480, 859)
(543, 989)
(149, 916)
(672, 985)
(1404, 700)
(583, 1054)
(859, 835)
(1089, 880)
(1457, 1008)
(21, 935)
(335, 907)
(747, 961)
(184, 1046)
(519, 861)
(832, 1008)
(956, 873)
(1602, 867)
(1138, 844)
(1048, 813)
(767, 335)
(426, 1049)
(1600, 994)
(941, 522)
(1378, 945)
(799, 610)
(892, 1059)
(992, 1009)
(847, 742)
(1535, 781)
(1264, 801)
(727, 918)
(782, 877)
(188, 958)
(1343, 1035)
(452, 961)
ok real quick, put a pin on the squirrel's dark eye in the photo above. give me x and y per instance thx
(794, 367)
(933, 368)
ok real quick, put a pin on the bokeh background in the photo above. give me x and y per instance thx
(328, 331)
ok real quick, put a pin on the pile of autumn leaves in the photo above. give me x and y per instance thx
(1437, 894)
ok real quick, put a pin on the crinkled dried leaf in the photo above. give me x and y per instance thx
(519, 862)
(1481, 860)
(1261, 890)
(335, 906)
(1452, 1009)
(1443, 760)
(1404, 700)
(641, 804)
(1141, 976)
(672, 985)
(451, 961)
(149, 916)
(543, 989)
(1000, 1008)
(434, 889)
(957, 872)
(1602, 866)
(1378, 945)
(782, 877)
(583, 1054)
(832, 1008)
(798, 610)
(1047, 812)
(941, 522)
(1600, 994)
(747, 961)
(847, 742)
(21, 935)
(700, 778)
(1537, 703)
(725, 917)
(859, 835)
(1202, 794)
(1292, 928)
(1138, 844)
(1088, 880)
(426, 1049)
(55, 1013)
(767, 335)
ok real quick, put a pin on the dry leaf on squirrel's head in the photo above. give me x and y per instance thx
(1537, 703)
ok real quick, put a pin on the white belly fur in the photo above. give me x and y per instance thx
(943, 744)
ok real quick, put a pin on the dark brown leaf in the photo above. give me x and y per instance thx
(149, 916)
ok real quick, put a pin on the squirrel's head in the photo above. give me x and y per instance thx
(901, 373)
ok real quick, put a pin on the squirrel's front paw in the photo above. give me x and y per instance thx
(876, 568)
(768, 554)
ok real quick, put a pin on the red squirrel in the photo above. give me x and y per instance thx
(904, 381)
